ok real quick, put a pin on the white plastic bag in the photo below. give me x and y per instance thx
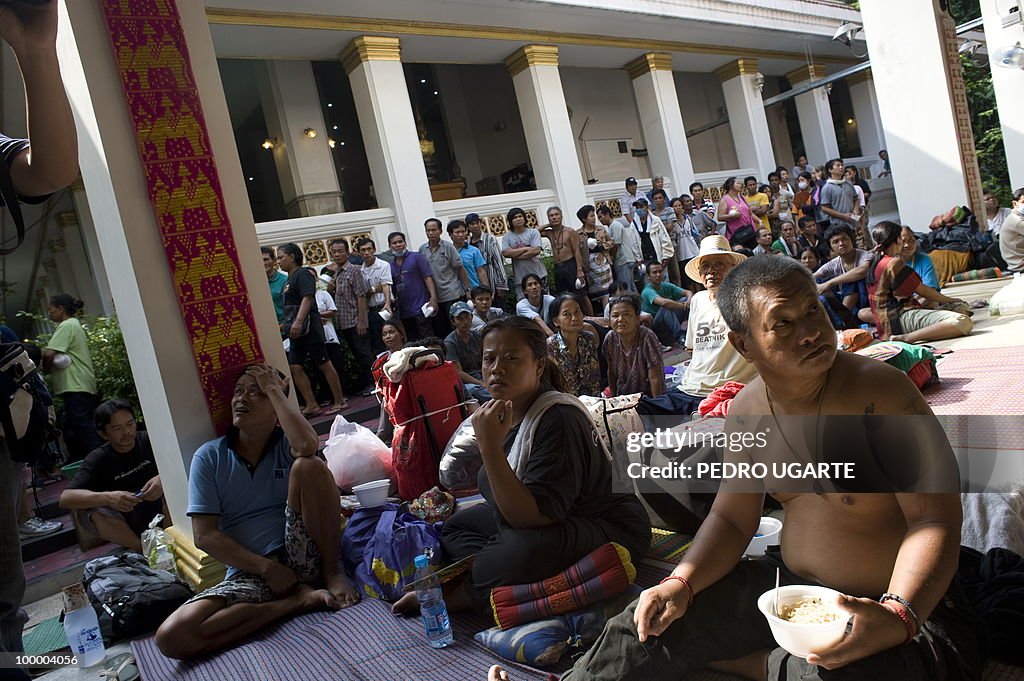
(355, 455)
(461, 460)
(1009, 299)
(158, 546)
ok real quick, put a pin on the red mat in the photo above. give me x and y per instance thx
(979, 381)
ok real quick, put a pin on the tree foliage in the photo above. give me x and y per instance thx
(114, 379)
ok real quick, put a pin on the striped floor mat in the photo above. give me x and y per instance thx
(668, 546)
(362, 643)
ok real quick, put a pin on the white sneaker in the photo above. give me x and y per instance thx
(37, 527)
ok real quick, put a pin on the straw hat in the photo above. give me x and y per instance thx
(712, 245)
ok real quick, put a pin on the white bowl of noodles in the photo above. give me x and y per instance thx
(811, 620)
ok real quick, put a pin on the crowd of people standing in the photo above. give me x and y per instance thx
(615, 293)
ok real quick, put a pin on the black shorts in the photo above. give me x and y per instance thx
(565, 276)
(307, 346)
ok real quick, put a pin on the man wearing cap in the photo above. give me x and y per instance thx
(714, 361)
(491, 250)
(464, 348)
(626, 202)
(655, 243)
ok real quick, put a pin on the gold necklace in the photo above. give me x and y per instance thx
(818, 489)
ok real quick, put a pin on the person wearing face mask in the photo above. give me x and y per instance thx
(414, 287)
(655, 243)
(803, 199)
(1011, 236)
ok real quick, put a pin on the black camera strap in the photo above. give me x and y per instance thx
(10, 197)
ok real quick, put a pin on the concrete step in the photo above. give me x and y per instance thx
(51, 543)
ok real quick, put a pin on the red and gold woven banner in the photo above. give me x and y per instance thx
(181, 176)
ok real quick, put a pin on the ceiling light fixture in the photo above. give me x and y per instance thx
(309, 132)
(331, 143)
(269, 143)
(850, 121)
(970, 47)
(847, 33)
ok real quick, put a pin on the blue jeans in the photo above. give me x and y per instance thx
(626, 274)
(667, 325)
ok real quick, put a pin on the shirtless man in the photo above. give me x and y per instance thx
(900, 548)
(565, 247)
(265, 505)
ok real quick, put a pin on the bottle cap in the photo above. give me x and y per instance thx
(421, 561)
(75, 597)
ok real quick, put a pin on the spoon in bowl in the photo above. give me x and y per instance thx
(778, 613)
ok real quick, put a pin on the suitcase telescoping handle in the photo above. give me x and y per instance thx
(426, 352)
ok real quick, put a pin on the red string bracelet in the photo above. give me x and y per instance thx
(689, 589)
(900, 611)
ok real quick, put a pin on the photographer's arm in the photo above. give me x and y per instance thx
(51, 161)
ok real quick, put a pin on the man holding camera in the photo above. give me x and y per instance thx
(37, 167)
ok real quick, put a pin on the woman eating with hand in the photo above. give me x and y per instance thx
(546, 478)
(573, 348)
(632, 352)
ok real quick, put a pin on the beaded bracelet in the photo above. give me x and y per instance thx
(900, 611)
(689, 589)
(902, 601)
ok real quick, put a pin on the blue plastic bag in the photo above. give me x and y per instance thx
(379, 545)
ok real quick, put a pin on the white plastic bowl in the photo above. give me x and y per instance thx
(803, 639)
(373, 493)
(767, 535)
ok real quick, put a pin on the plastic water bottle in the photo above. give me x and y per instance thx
(82, 627)
(432, 607)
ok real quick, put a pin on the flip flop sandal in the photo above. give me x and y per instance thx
(121, 668)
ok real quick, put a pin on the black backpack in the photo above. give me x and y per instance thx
(26, 408)
(131, 598)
